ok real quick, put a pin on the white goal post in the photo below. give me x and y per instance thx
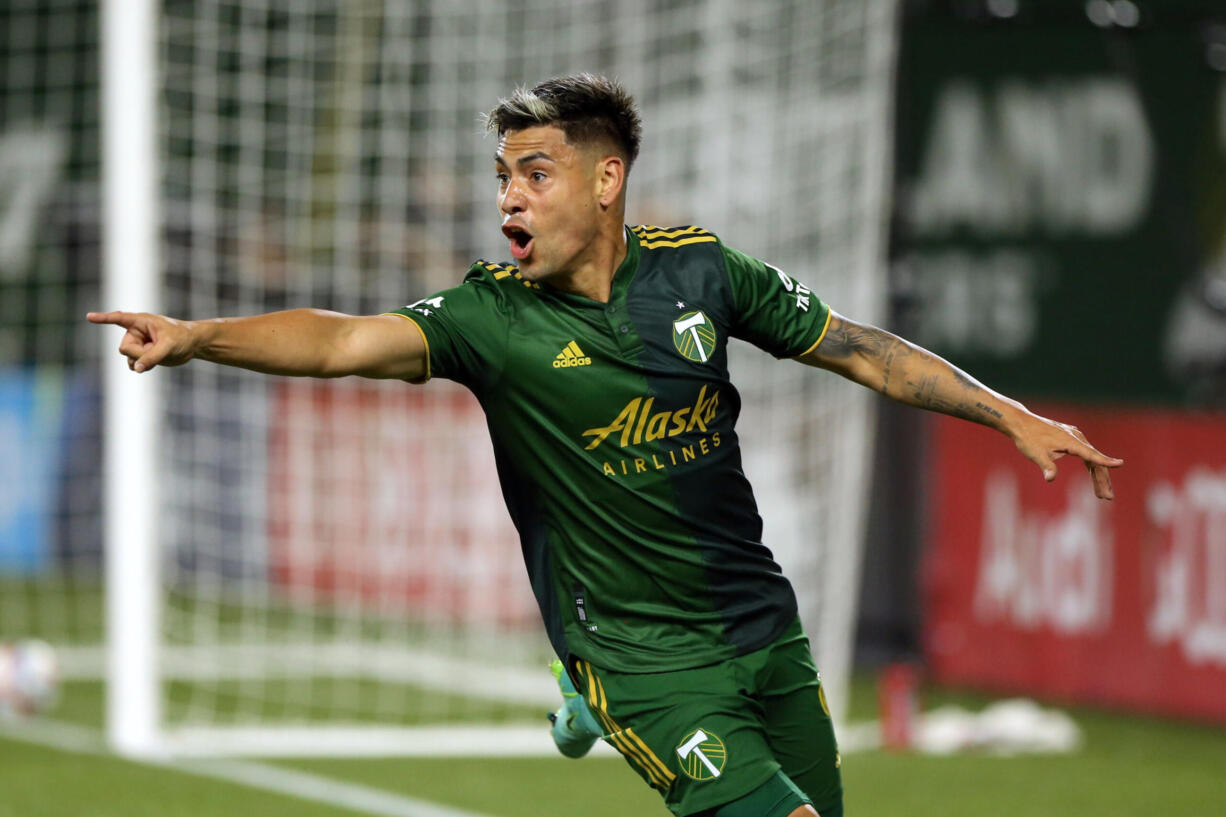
(301, 567)
(131, 275)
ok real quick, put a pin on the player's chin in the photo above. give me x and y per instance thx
(532, 269)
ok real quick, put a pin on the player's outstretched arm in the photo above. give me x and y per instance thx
(306, 342)
(909, 374)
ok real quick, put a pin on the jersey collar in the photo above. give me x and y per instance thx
(629, 266)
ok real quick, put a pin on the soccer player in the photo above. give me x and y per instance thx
(600, 358)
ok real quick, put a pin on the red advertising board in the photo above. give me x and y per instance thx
(386, 495)
(1042, 589)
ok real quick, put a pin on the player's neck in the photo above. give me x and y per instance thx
(593, 275)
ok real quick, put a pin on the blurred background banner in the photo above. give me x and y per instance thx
(1043, 590)
(31, 405)
(350, 492)
(1060, 205)
(1060, 232)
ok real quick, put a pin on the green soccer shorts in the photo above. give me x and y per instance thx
(708, 737)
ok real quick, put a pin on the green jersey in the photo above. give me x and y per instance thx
(613, 431)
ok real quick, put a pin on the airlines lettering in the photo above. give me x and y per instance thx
(664, 459)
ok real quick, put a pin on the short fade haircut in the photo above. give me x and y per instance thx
(588, 109)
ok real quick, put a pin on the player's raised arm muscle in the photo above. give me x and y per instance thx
(910, 374)
(901, 370)
(302, 342)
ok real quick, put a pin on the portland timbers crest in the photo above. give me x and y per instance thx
(694, 336)
(702, 755)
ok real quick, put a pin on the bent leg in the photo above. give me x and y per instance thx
(801, 737)
(798, 726)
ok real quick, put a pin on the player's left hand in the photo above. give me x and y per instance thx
(1044, 441)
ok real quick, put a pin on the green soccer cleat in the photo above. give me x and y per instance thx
(574, 728)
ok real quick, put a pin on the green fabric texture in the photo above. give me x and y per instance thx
(613, 431)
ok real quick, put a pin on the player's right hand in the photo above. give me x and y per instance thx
(151, 340)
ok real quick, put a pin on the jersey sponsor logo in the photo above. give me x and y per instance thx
(702, 754)
(637, 422)
(570, 356)
(694, 336)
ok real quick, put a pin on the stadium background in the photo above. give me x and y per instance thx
(1057, 227)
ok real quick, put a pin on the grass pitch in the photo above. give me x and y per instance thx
(1129, 766)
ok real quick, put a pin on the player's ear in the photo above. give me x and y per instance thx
(610, 179)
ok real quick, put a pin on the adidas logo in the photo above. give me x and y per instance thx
(571, 355)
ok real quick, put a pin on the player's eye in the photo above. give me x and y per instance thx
(502, 179)
(538, 176)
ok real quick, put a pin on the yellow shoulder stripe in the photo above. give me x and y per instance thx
(519, 277)
(698, 239)
(503, 271)
(649, 232)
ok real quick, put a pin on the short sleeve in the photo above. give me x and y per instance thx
(466, 331)
(772, 310)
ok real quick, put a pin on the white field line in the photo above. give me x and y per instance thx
(509, 682)
(290, 782)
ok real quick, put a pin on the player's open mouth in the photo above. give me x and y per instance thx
(521, 241)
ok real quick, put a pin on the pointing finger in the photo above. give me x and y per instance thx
(1102, 482)
(124, 319)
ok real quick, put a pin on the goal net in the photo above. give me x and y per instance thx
(335, 572)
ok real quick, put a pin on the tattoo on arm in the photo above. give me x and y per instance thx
(910, 373)
(844, 339)
(847, 339)
(989, 410)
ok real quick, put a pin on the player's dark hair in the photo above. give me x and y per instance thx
(588, 108)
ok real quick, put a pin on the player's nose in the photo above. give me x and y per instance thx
(512, 200)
